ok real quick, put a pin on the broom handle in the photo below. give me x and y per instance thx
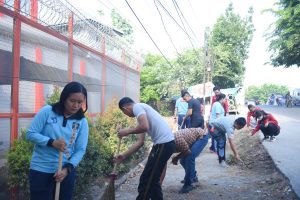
(118, 151)
(57, 189)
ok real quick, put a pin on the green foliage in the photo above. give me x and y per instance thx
(18, 161)
(122, 24)
(55, 96)
(263, 92)
(285, 38)
(229, 43)
(160, 81)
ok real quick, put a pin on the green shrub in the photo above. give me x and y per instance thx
(18, 161)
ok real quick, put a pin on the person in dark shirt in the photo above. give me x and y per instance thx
(194, 111)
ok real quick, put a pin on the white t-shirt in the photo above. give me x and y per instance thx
(159, 130)
(227, 124)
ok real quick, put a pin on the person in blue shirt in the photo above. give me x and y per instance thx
(222, 129)
(181, 108)
(217, 111)
(58, 127)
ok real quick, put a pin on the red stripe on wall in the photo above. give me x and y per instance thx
(82, 68)
(39, 87)
(1, 4)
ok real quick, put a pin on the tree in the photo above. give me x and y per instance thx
(160, 80)
(285, 39)
(123, 25)
(229, 43)
(263, 92)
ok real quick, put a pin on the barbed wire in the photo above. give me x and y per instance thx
(55, 15)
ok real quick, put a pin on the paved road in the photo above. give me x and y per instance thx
(286, 149)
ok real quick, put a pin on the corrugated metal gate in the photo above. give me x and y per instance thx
(44, 43)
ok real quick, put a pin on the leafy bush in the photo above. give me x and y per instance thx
(18, 161)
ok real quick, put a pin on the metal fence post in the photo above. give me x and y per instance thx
(16, 75)
(70, 46)
(103, 78)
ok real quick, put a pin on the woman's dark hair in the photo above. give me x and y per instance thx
(70, 88)
(220, 96)
(185, 93)
(259, 113)
(124, 101)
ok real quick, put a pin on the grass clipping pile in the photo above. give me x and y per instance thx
(256, 160)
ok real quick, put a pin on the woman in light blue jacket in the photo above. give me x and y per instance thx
(58, 127)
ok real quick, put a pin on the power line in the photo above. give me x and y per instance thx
(161, 18)
(166, 11)
(149, 34)
(185, 19)
(182, 22)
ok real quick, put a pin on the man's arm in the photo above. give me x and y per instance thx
(138, 144)
(233, 148)
(142, 127)
(180, 155)
(248, 119)
(188, 113)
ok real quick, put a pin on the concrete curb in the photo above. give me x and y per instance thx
(278, 168)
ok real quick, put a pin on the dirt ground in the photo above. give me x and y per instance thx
(255, 178)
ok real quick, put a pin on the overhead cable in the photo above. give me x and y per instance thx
(149, 35)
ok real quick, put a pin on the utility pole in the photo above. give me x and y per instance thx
(205, 65)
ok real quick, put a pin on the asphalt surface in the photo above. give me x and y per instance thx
(286, 149)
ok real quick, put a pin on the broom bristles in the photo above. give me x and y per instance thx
(109, 193)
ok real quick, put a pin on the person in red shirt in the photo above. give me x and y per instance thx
(217, 92)
(267, 124)
(251, 113)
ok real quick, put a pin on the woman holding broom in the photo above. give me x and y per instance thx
(57, 128)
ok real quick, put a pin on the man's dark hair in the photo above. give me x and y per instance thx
(241, 121)
(220, 96)
(70, 88)
(185, 93)
(250, 106)
(124, 101)
(216, 88)
(200, 100)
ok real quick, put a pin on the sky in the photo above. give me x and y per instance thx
(199, 14)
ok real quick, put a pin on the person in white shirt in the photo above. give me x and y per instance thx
(152, 122)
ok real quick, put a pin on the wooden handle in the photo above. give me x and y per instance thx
(57, 189)
(118, 151)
